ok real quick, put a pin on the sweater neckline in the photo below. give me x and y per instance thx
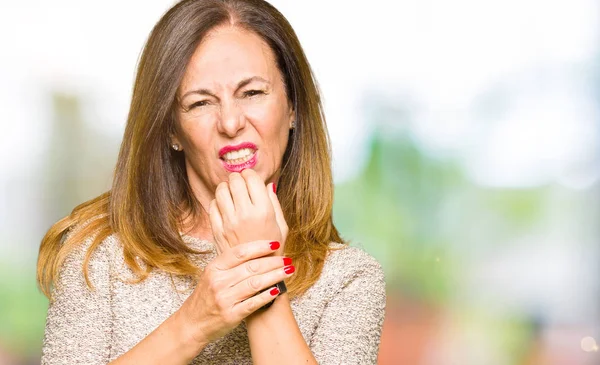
(200, 243)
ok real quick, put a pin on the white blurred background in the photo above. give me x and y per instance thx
(466, 152)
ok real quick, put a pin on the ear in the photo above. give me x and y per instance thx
(176, 144)
(292, 118)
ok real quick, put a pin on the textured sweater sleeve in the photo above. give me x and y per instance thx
(349, 330)
(78, 321)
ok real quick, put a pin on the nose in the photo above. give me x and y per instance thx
(232, 119)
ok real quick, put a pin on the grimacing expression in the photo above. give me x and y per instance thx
(234, 112)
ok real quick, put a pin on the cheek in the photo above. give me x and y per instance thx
(268, 115)
(260, 112)
(195, 133)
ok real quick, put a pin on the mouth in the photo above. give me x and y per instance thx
(239, 157)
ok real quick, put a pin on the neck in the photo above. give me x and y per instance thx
(198, 227)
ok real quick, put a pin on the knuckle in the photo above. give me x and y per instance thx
(252, 266)
(213, 286)
(254, 283)
(241, 253)
(250, 306)
(220, 301)
(230, 319)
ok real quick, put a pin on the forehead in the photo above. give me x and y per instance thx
(228, 54)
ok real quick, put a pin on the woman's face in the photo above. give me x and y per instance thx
(234, 112)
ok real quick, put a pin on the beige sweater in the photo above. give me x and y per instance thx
(340, 316)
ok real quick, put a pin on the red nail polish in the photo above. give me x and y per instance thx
(274, 245)
(289, 269)
(275, 188)
(287, 261)
(274, 291)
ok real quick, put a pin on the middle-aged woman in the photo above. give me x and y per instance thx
(222, 191)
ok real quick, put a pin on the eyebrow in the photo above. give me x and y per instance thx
(240, 84)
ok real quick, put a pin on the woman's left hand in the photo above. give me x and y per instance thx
(246, 210)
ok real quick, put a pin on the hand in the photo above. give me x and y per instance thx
(226, 290)
(245, 210)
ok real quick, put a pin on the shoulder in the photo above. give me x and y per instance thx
(347, 307)
(102, 251)
(82, 236)
(345, 264)
(350, 260)
(85, 255)
(351, 279)
(357, 257)
(78, 278)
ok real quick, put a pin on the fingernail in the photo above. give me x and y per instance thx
(274, 291)
(287, 261)
(275, 188)
(289, 269)
(274, 245)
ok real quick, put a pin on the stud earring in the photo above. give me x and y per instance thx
(293, 125)
(175, 146)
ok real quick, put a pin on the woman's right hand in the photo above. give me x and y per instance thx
(226, 289)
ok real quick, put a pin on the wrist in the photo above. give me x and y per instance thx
(192, 340)
(282, 288)
(279, 305)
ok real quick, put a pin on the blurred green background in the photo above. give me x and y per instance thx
(466, 143)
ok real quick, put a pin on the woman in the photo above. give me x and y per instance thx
(182, 260)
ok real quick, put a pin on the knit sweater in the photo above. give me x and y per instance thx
(340, 316)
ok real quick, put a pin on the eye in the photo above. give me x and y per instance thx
(250, 93)
(198, 104)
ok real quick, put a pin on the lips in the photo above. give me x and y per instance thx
(238, 157)
(237, 147)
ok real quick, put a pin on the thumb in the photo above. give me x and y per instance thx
(216, 224)
(283, 227)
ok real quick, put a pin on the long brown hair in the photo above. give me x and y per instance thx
(150, 193)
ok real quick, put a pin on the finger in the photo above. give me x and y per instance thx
(256, 188)
(243, 252)
(245, 308)
(216, 224)
(257, 283)
(279, 217)
(254, 267)
(239, 192)
(224, 201)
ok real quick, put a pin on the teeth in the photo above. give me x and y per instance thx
(239, 156)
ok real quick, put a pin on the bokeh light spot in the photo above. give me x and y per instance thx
(588, 344)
